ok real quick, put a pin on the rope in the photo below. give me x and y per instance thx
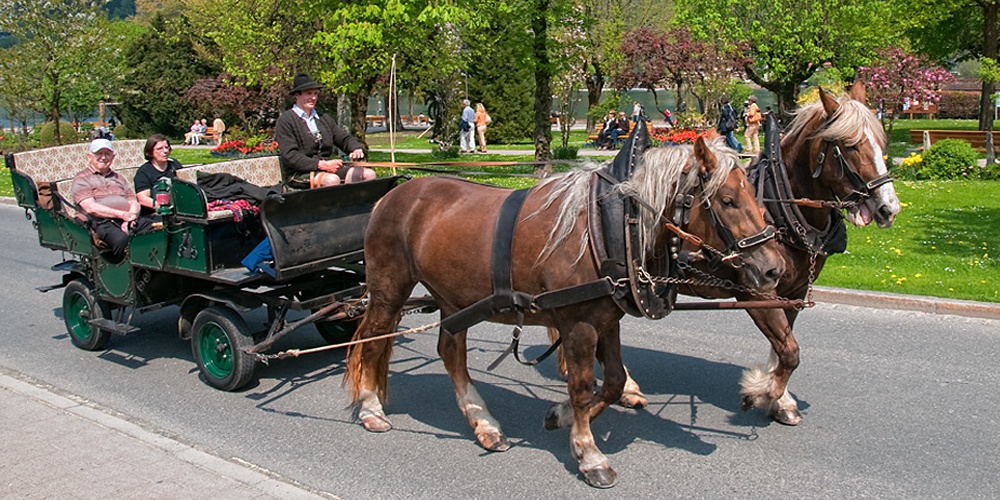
(294, 353)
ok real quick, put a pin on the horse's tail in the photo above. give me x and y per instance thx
(378, 377)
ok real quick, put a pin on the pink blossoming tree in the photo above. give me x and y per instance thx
(896, 76)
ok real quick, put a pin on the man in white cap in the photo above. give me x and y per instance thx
(107, 198)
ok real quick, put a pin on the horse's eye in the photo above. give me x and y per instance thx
(727, 201)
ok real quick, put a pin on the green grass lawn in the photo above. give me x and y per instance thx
(944, 244)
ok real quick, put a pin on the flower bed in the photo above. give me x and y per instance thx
(244, 149)
(674, 136)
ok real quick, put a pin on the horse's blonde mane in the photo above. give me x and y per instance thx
(658, 178)
(850, 123)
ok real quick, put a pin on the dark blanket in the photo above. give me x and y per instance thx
(224, 186)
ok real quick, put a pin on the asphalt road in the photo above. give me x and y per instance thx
(896, 404)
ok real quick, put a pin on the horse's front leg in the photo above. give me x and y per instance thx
(766, 386)
(581, 346)
(452, 349)
(632, 396)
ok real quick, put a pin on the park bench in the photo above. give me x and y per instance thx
(592, 138)
(975, 138)
(927, 108)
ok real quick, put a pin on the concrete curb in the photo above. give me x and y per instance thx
(884, 300)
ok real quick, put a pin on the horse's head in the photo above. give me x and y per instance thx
(847, 152)
(725, 215)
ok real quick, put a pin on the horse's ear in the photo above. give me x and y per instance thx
(706, 160)
(858, 92)
(830, 105)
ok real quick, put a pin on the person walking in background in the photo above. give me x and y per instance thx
(218, 127)
(482, 120)
(465, 128)
(754, 118)
(307, 142)
(728, 124)
(158, 164)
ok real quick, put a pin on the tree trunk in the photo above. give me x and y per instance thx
(359, 108)
(986, 103)
(56, 117)
(543, 86)
(595, 85)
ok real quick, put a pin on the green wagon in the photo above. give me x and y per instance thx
(193, 262)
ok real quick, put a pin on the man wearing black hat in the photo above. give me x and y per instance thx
(306, 141)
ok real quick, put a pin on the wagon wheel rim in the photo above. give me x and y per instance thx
(79, 314)
(216, 351)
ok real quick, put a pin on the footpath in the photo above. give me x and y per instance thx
(55, 445)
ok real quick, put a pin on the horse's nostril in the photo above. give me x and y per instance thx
(885, 211)
(772, 275)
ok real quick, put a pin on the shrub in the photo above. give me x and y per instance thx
(444, 154)
(47, 136)
(565, 153)
(123, 132)
(946, 159)
(957, 104)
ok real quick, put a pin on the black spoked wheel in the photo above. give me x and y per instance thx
(218, 339)
(80, 306)
(337, 332)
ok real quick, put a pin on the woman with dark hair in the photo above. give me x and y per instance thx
(159, 164)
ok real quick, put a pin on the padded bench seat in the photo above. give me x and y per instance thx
(262, 171)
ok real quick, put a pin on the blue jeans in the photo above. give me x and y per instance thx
(732, 142)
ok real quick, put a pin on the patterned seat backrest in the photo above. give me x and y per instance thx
(63, 162)
(261, 171)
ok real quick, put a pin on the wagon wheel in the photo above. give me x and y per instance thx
(218, 339)
(80, 305)
(337, 332)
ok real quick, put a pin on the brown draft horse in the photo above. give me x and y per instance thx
(816, 171)
(438, 231)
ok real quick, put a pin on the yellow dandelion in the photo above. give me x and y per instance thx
(916, 275)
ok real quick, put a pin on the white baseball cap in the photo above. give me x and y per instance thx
(99, 144)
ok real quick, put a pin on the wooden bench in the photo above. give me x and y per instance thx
(975, 138)
(928, 108)
(592, 138)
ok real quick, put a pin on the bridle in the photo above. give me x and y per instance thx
(734, 249)
(860, 189)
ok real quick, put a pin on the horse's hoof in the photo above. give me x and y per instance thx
(551, 422)
(634, 400)
(493, 441)
(374, 421)
(601, 478)
(788, 417)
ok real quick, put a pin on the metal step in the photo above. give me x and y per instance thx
(113, 327)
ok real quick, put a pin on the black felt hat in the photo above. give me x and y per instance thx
(303, 82)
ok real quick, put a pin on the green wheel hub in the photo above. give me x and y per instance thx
(77, 316)
(216, 351)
